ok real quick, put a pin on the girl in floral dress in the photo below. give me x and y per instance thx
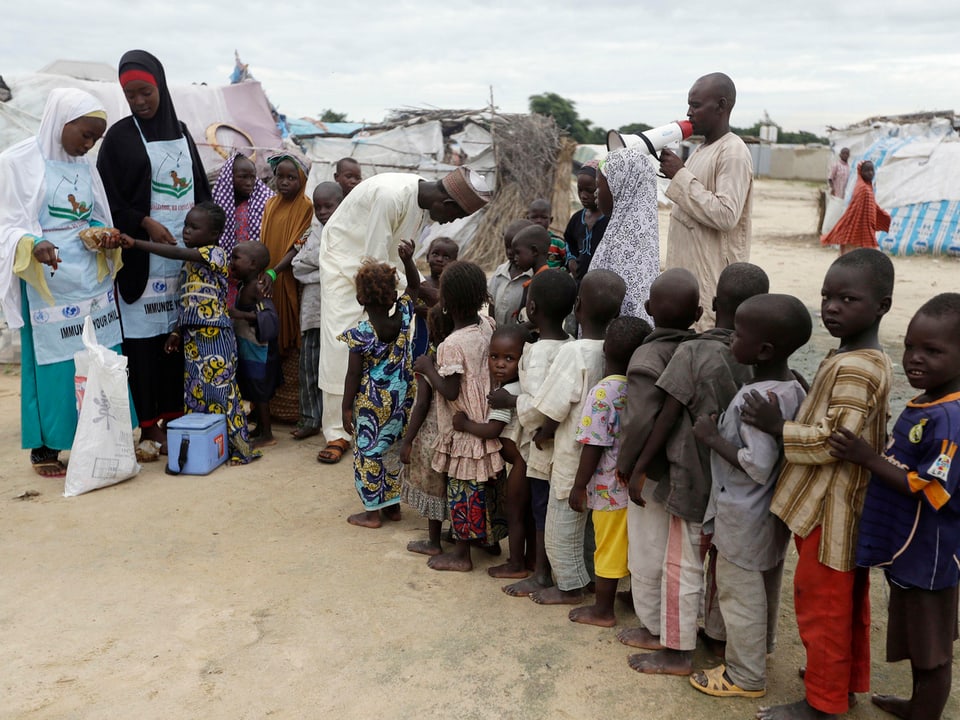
(379, 388)
(209, 344)
(461, 378)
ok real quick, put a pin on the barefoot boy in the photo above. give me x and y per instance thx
(596, 486)
(819, 498)
(674, 305)
(701, 379)
(561, 400)
(744, 464)
(551, 298)
(911, 517)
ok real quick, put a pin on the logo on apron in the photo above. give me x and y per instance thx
(176, 186)
(78, 210)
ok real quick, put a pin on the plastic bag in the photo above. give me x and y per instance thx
(833, 212)
(102, 452)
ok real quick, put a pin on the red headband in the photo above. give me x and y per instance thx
(131, 75)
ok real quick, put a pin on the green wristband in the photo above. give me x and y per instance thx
(272, 273)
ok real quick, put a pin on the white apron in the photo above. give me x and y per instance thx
(57, 330)
(171, 198)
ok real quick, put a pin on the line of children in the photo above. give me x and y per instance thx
(561, 399)
(461, 378)
(819, 498)
(751, 543)
(701, 377)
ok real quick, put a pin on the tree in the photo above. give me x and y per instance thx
(802, 137)
(635, 128)
(332, 116)
(564, 113)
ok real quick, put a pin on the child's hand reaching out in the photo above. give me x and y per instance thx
(405, 249)
(126, 241)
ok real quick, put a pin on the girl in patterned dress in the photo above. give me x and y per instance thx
(209, 345)
(461, 378)
(379, 388)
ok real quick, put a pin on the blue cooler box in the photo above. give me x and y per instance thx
(196, 443)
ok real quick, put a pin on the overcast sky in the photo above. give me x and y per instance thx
(810, 64)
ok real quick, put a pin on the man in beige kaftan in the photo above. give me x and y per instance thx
(710, 219)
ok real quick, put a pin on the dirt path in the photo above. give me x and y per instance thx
(245, 594)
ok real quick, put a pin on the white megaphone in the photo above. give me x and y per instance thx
(654, 140)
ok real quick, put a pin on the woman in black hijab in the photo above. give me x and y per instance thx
(152, 174)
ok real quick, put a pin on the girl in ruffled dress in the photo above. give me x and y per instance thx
(461, 378)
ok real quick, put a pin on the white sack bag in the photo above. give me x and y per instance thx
(102, 452)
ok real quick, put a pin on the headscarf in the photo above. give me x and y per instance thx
(223, 195)
(22, 173)
(861, 220)
(468, 188)
(164, 125)
(285, 224)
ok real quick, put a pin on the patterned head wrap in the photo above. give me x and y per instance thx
(223, 196)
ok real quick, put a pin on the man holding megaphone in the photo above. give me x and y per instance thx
(710, 219)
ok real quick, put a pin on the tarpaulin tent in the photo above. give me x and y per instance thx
(917, 181)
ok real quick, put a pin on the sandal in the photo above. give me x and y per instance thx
(332, 453)
(716, 683)
(46, 462)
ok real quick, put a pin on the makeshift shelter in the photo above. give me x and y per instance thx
(523, 156)
(221, 119)
(917, 158)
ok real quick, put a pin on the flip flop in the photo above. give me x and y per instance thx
(333, 452)
(714, 682)
(50, 469)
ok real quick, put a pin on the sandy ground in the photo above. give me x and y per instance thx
(244, 594)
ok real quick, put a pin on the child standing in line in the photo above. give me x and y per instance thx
(505, 286)
(462, 379)
(506, 347)
(911, 517)
(540, 213)
(256, 326)
(674, 305)
(750, 543)
(441, 252)
(378, 387)
(701, 378)
(550, 299)
(529, 253)
(306, 269)
(586, 227)
(424, 489)
(596, 486)
(561, 400)
(209, 345)
(819, 498)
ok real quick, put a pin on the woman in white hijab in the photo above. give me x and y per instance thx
(49, 279)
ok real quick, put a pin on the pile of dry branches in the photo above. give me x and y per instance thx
(533, 160)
